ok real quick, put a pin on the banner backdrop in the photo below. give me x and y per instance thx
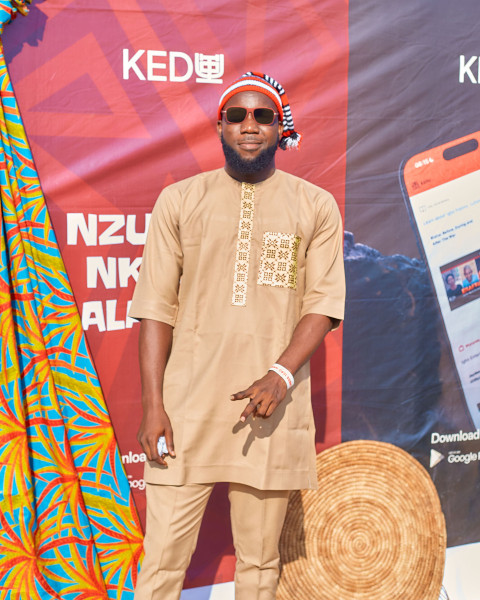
(119, 99)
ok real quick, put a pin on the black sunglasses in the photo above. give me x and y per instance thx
(238, 114)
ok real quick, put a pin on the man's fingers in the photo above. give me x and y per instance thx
(240, 395)
(270, 409)
(257, 409)
(264, 398)
(150, 448)
(169, 442)
(261, 410)
(160, 459)
(251, 408)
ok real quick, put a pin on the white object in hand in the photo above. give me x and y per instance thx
(162, 445)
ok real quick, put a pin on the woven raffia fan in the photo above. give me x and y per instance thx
(374, 530)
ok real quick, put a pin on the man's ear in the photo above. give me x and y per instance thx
(219, 129)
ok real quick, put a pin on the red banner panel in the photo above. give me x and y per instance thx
(119, 100)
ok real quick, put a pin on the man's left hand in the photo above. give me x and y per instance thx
(265, 395)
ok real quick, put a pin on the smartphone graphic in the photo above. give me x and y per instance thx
(442, 191)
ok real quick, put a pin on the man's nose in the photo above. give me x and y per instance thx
(249, 123)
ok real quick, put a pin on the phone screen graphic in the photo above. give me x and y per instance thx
(442, 191)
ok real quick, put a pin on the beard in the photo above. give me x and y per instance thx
(250, 165)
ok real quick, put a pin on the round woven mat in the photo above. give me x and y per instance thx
(374, 530)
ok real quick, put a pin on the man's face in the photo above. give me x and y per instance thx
(468, 273)
(249, 146)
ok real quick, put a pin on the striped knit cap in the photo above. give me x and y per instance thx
(260, 82)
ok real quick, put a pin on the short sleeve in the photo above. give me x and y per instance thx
(324, 271)
(156, 292)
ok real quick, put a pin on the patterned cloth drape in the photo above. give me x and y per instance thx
(68, 526)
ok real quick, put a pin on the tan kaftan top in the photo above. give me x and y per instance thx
(251, 261)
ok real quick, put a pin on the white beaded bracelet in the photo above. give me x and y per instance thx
(284, 374)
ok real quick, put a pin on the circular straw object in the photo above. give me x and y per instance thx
(374, 530)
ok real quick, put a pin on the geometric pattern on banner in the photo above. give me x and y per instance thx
(68, 525)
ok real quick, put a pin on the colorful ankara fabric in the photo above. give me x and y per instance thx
(263, 83)
(68, 526)
(9, 10)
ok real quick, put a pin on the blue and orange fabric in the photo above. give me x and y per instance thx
(68, 526)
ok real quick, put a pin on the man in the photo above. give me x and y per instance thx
(470, 277)
(259, 254)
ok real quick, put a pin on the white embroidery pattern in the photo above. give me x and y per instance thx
(242, 258)
(278, 263)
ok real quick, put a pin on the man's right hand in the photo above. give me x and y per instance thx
(155, 341)
(155, 424)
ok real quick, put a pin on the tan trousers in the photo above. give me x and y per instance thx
(174, 515)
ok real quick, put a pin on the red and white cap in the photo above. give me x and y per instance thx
(263, 83)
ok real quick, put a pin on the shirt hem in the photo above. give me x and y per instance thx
(276, 480)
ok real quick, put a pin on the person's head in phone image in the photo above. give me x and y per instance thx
(453, 288)
(470, 276)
